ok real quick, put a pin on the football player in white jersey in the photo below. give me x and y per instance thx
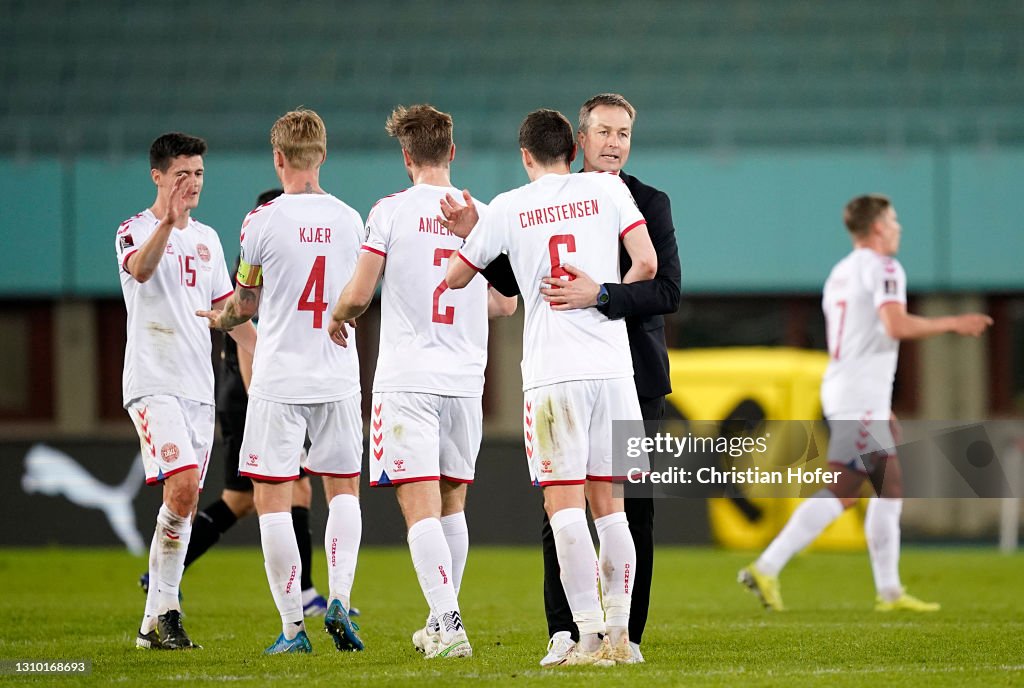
(296, 251)
(865, 305)
(427, 416)
(577, 368)
(170, 265)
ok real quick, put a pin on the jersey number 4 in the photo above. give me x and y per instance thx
(312, 298)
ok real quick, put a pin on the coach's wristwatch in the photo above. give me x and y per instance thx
(602, 296)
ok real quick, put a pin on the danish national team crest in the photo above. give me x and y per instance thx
(169, 452)
(204, 252)
(399, 465)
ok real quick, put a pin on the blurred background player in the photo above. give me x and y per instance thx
(576, 364)
(297, 249)
(236, 500)
(865, 304)
(427, 415)
(171, 265)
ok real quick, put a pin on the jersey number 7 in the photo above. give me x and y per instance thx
(312, 298)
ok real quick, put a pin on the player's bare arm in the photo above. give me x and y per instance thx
(355, 298)
(457, 218)
(245, 336)
(239, 308)
(578, 292)
(143, 263)
(459, 273)
(902, 325)
(499, 306)
(637, 243)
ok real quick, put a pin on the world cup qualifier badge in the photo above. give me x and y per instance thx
(890, 286)
(126, 242)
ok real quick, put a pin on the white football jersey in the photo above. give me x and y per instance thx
(562, 218)
(862, 356)
(302, 249)
(432, 339)
(168, 347)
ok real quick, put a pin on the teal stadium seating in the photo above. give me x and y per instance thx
(103, 76)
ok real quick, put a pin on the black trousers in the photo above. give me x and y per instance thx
(640, 513)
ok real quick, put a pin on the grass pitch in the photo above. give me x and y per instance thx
(704, 629)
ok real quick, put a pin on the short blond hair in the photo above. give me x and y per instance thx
(611, 99)
(301, 137)
(424, 132)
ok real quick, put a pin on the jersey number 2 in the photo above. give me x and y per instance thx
(312, 298)
(447, 317)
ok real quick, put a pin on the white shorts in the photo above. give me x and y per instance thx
(416, 436)
(857, 439)
(176, 434)
(567, 428)
(275, 433)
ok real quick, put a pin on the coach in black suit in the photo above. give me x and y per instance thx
(605, 131)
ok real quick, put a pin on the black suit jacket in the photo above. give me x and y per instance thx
(642, 304)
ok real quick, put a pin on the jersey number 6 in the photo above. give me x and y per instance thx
(567, 240)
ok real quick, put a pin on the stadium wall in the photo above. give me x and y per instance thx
(748, 222)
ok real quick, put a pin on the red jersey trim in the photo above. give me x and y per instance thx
(466, 261)
(633, 226)
(221, 298)
(456, 480)
(154, 481)
(269, 478)
(389, 196)
(124, 261)
(546, 483)
(332, 475)
(371, 249)
(374, 483)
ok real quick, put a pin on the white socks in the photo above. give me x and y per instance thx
(341, 540)
(171, 538)
(284, 568)
(578, 562)
(149, 616)
(433, 563)
(618, 571)
(456, 532)
(807, 522)
(882, 528)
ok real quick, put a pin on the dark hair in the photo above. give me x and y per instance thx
(267, 196)
(861, 213)
(424, 132)
(547, 134)
(167, 147)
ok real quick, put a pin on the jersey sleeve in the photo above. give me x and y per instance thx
(250, 262)
(378, 231)
(127, 241)
(887, 282)
(487, 240)
(630, 216)
(220, 286)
